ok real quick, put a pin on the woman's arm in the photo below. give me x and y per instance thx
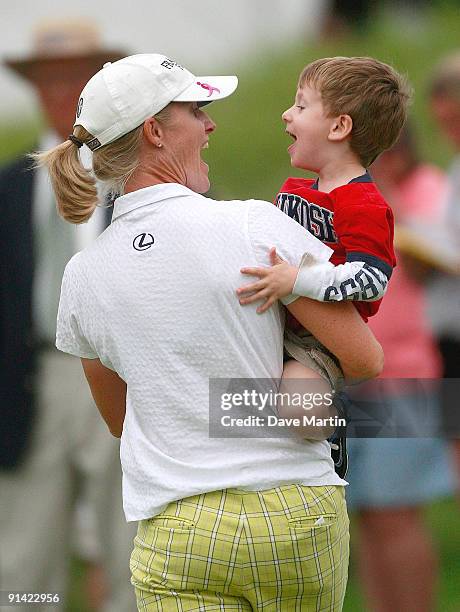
(109, 393)
(340, 328)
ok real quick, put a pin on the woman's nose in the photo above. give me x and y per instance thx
(209, 124)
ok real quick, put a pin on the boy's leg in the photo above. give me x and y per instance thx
(300, 382)
(338, 441)
(308, 351)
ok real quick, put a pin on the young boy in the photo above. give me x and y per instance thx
(346, 112)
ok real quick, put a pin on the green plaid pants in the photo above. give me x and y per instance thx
(282, 549)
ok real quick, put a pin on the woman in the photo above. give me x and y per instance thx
(151, 310)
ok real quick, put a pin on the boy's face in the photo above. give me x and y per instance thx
(307, 122)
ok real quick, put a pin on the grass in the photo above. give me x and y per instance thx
(441, 520)
(15, 138)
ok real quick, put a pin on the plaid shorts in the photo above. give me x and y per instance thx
(277, 550)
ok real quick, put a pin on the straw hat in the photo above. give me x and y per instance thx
(65, 40)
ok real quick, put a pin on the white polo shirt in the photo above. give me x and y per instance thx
(154, 299)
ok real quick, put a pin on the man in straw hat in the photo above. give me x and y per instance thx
(51, 436)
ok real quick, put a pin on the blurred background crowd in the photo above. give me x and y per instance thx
(61, 522)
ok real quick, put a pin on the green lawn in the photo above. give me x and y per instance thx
(442, 523)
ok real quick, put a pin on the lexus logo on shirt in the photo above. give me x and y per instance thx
(142, 242)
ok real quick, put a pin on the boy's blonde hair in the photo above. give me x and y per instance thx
(374, 95)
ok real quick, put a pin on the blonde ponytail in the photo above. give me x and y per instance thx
(74, 186)
(113, 164)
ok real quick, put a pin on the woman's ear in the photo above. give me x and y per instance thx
(153, 132)
(341, 128)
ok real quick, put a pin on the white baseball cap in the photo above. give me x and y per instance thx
(123, 94)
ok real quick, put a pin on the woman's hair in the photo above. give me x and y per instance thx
(74, 186)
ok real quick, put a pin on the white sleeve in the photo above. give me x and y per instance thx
(69, 336)
(353, 280)
(269, 227)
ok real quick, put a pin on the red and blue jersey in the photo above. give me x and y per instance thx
(354, 220)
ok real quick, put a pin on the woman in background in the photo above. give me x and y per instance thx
(392, 479)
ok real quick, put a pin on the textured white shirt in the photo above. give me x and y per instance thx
(166, 318)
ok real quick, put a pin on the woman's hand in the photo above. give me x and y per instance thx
(274, 283)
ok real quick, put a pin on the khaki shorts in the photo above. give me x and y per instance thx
(308, 351)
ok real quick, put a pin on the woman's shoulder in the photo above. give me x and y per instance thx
(241, 207)
(74, 270)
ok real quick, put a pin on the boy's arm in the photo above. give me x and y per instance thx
(353, 280)
(365, 230)
(364, 226)
(321, 281)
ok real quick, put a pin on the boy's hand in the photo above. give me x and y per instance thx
(275, 282)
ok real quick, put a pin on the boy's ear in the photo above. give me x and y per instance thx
(341, 128)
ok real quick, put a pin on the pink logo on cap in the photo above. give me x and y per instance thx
(210, 88)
